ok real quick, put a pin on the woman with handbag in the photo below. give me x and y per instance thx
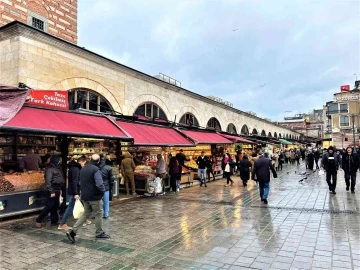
(245, 168)
(228, 170)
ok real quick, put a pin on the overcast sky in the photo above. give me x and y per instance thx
(303, 50)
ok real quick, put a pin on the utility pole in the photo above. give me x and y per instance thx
(353, 128)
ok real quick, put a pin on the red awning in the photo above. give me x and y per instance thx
(154, 135)
(206, 137)
(236, 138)
(64, 122)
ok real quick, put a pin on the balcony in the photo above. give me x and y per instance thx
(336, 112)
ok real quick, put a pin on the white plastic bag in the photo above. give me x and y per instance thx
(155, 186)
(227, 168)
(321, 172)
(78, 209)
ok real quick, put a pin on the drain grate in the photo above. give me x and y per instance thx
(351, 212)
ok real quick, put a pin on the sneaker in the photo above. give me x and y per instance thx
(178, 190)
(71, 236)
(105, 217)
(64, 227)
(265, 201)
(103, 236)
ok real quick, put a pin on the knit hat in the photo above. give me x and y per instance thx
(331, 148)
(55, 160)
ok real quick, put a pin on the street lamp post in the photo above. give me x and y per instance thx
(353, 130)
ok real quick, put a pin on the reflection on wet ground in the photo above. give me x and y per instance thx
(302, 227)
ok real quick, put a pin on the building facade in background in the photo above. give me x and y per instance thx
(56, 17)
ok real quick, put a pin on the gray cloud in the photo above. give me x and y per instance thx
(303, 50)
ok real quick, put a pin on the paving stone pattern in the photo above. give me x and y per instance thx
(302, 227)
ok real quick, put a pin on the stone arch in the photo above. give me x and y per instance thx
(254, 132)
(213, 122)
(231, 128)
(275, 134)
(72, 83)
(142, 109)
(190, 119)
(146, 98)
(263, 133)
(287, 136)
(244, 130)
(190, 110)
(269, 134)
(38, 8)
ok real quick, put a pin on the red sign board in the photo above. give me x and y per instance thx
(50, 99)
(345, 88)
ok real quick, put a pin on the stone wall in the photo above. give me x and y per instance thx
(46, 63)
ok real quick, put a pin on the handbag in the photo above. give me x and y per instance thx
(227, 168)
(78, 209)
(122, 181)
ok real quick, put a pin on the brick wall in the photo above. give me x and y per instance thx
(61, 15)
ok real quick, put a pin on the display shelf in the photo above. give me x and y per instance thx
(36, 144)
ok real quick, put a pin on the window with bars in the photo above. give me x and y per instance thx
(189, 119)
(90, 100)
(37, 23)
(150, 110)
(231, 129)
(213, 123)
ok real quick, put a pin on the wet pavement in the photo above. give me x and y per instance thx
(302, 227)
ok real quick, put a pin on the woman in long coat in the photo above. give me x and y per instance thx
(245, 169)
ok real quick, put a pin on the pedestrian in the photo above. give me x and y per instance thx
(350, 165)
(292, 157)
(317, 157)
(303, 151)
(73, 189)
(108, 180)
(310, 159)
(127, 170)
(245, 169)
(287, 156)
(201, 162)
(297, 156)
(54, 182)
(276, 161)
(281, 160)
(174, 172)
(330, 164)
(92, 192)
(261, 170)
(209, 168)
(160, 168)
(228, 170)
(181, 158)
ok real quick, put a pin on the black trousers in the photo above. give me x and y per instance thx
(210, 171)
(317, 163)
(332, 185)
(51, 207)
(352, 176)
(298, 161)
(173, 182)
(228, 178)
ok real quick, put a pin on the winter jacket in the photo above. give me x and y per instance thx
(91, 182)
(54, 179)
(350, 163)
(74, 178)
(181, 158)
(244, 167)
(261, 170)
(317, 155)
(201, 162)
(107, 175)
(173, 166)
(330, 163)
(127, 164)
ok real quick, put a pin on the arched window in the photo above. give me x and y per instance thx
(231, 128)
(263, 133)
(275, 134)
(280, 135)
(213, 123)
(89, 100)
(189, 119)
(254, 132)
(269, 135)
(287, 136)
(245, 130)
(150, 110)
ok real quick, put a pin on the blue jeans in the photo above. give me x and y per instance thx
(69, 210)
(202, 171)
(106, 203)
(264, 189)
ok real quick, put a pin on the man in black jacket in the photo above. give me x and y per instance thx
(201, 162)
(350, 165)
(92, 192)
(317, 157)
(108, 180)
(73, 189)
(330, 163)
(262, 168)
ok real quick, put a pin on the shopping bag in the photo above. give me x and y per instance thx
(78, 209)
(122, 181)
(321, 172)
(227, 168)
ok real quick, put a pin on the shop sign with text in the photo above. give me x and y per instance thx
(347, 98)
(49, 99)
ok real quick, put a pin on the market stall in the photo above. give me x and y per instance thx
(240, 144)
(44, 132)
(149, 141)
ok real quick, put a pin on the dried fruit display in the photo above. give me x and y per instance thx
(24, 181)
(5, 186)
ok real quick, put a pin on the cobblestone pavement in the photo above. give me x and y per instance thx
(302, 227)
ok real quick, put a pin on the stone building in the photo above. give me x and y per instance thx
(42, 61)
(58, 18)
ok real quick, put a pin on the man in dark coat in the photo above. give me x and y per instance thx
(317, 157)
(330, 163)
(107, 176)
(244, 167)
(181, 158)
(350, 165)
(262, 168)
(92, 192)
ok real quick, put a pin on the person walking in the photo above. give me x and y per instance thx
(276, 161)
(92, 192)
(330, 164)
(297, 156)
(287, 156)
(310, 159)
(209, 168)
(201, 162)
(31, 162)
(350, 165)
(127, 170)
(54, 182)
(228, 170)
(181, 158)
(281, 160)
(108, 180)
(174, 172)
(292, 157)
(317, 157)
(73, 189)
(245, 169)
(261, 170)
